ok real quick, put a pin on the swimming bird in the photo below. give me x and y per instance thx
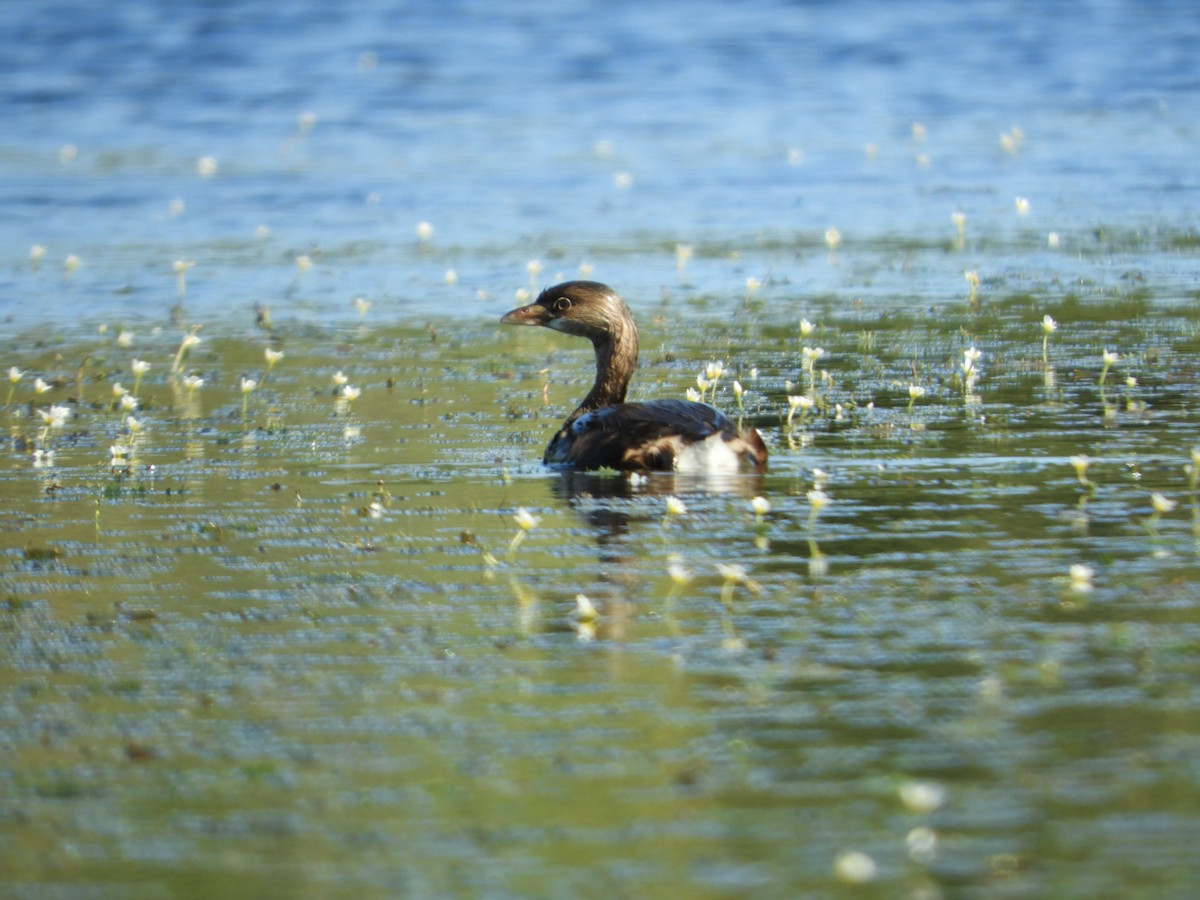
(605, 431)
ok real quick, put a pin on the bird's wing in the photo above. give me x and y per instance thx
(637, 435)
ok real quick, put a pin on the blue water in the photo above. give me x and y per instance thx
(574, 132)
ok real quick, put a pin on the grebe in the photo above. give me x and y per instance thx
(607, 432)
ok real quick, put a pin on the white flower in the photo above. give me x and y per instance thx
(272, 356)
(1081, 577)
(1080, 464)
(677, 573)
(584, 610)
(134, 425)
(362, 304)
(55, 416)
(1161, 503)
(14, 374)
(714, 370)
(189, 340)
(818, 499)
(922, 796)
(125, 338)
(247, 384)
(693, 395)
(676, 507)
(1049, 325)
(206, 166)
(1110, 357)
(855, 867)
(303, 262)
(806, 328)
(760, 505)
(340, 378)
(139, 367)
(526, 520)
(915, 391)
(350, 392)
(1022, 206)
(738, 390)
(424, 231)
(833, 238)
(180, 266)
(128, 402)
(731, 572)
(39, 386)
(191, 382)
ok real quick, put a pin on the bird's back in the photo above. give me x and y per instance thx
(657, 435)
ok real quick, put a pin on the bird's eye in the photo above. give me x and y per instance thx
(562, 304)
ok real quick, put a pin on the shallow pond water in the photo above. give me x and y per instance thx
(281, 642)
(291, 650)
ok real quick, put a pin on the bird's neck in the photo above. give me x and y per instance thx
(616, 358)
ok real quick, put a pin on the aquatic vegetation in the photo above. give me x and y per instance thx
(526, 522)
(139, 367)
(855, 867)
(1049, 326)
(180, 268)
(272, 357)
(760, 506)
(14, 377)
(189, 340)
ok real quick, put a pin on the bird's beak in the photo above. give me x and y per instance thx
(533, 314)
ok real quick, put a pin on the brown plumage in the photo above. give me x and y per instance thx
(605, 431)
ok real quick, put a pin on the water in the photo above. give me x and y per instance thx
(285, 650)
